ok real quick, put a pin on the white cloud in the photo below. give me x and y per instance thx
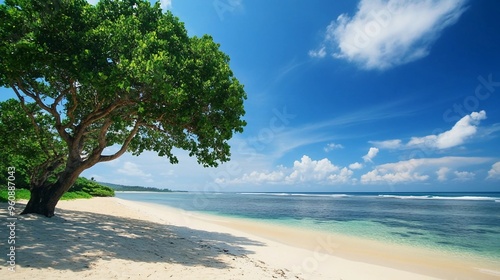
(384, 34)
(494, 172)
(442, 173)
(355, 166)
(381, 176)
(463, 130)
(387, 144)
(166, 4)
(318, 53)
(464, 175)
(311, 170)
(132, 169)
(332, 146)
(416, 170)
(370, 155)
(343, 177)
(457, 135)
(399, 172)
(305, 170)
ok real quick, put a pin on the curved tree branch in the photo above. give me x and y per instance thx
(125, 145)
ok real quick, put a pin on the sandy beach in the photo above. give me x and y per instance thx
(111, 238)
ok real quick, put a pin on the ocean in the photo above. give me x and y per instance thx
(463, 224)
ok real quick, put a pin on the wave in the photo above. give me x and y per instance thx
(299, 194)
(485, 198)
(321, 195)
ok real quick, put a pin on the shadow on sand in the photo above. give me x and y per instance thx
(74, 240)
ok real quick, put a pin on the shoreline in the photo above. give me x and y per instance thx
(120, 239)
(434, 263)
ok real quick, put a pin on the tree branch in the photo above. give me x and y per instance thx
(70, 112)
(102, 113)
(51, 110)
(125, 145)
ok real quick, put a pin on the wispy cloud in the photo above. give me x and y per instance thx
(372, 153)
(294, 137)
(166, 4)
(320, 53)
(384, 34)
(332, 146)
(132, 169)
(461, 132)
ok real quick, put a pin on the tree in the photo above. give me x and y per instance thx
(27, 144)
(122, 73)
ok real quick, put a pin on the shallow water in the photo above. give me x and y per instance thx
(460, 223)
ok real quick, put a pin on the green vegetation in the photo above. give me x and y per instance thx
(121, 72)
(123, 188)
(91, 187)
(27, 152)
(83, 188)
(20, 194)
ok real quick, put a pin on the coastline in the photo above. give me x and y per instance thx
(121, 239)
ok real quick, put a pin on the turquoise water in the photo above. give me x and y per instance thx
(465, 224)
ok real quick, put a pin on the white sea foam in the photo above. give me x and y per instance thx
(441, 197)
(300, 194)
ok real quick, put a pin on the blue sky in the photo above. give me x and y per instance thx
(351, 96)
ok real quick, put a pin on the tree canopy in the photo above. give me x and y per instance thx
(32, 150)
(121, 72)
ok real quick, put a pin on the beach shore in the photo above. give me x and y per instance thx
(111, 238)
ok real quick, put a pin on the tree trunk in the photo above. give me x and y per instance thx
(44, 198)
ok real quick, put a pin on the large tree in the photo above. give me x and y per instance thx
(123, 73)
(28, 144)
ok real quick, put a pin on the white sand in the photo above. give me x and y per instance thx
(110, 238)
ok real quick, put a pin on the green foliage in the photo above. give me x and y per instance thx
(123, 188)
(25, 147)
(24, 194)
(75, 195)
(121, 69)
(121, 73)
(91, 187)
(19, 194)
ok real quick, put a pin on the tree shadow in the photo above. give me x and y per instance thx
(74, 240)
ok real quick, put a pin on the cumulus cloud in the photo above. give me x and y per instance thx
(392, 173)
(355, 166)
(417, 170)
(311, 170)
(464, 175)
(305, 170)
(494, 172)
(372, 153)
(383, 34)
(442, 173)
(463, 130)
(332, 146)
